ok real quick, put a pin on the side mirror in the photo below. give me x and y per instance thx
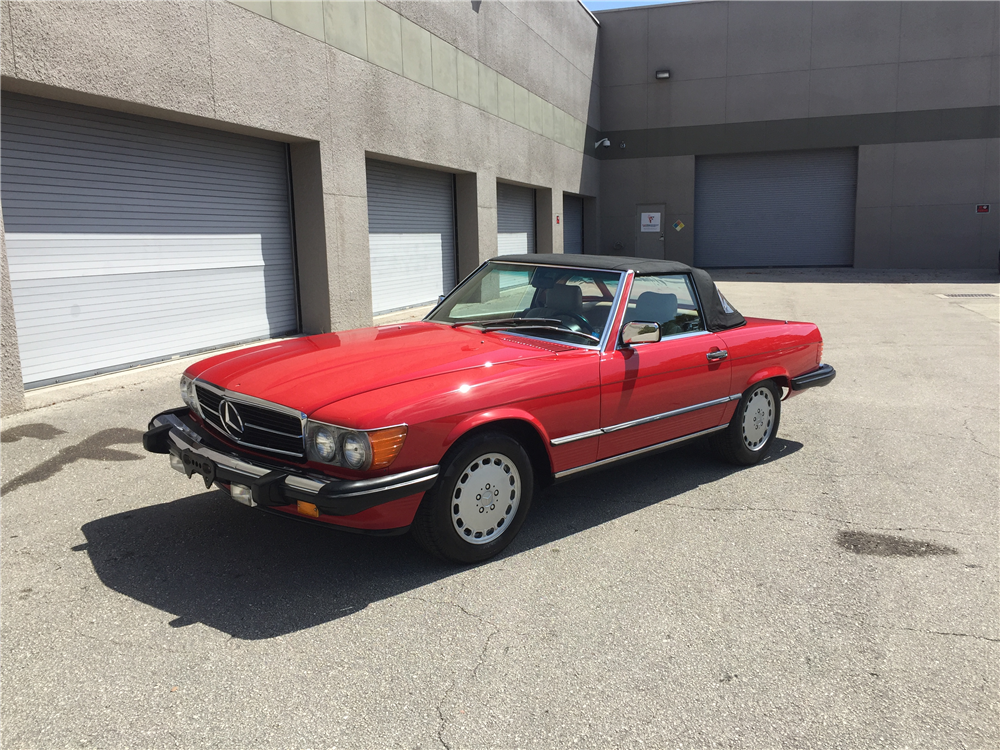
(640, 332)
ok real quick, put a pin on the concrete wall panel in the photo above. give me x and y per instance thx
(385, 44)
(624, 107)
(853, 33)
(771, 96)
(946, 236)
(624, 58)
(260, 7)
(875, 170)
(292, 73)
(444, 61)
(852, 91)
(689, 40)
(157, 53)
(991, 174)
(942, 172)
(701, 102)
(468, 79)
(11, 388)
(935, 84)
(771, 37)
(416, 42)
(6, 41)
(670, 180)
(872, 237)
(345, 27)
(305, 16)
(488, 89)
(938, 30)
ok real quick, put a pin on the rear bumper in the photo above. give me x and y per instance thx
(175, 433)
(821, 376)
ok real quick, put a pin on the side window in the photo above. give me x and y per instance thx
(667, 300)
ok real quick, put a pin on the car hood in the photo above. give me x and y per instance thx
(310, 372)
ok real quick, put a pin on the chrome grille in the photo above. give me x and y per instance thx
(273, 430)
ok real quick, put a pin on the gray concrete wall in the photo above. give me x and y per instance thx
(11, 389)
(916, 85)
(493, 90)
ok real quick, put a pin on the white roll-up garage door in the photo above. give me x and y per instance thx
(793, 208)
(130, 240)
(411, 235)
(572, 224)
(515, 219)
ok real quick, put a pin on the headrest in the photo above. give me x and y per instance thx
(655, 307)
(564, 298)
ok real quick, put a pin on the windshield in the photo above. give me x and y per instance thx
(562, 304)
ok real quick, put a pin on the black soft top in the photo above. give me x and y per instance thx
(719, 314)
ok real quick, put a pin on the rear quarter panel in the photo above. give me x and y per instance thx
(770, 349)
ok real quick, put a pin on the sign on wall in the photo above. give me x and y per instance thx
(649, 222)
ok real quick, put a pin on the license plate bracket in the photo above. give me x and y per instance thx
(203, 467)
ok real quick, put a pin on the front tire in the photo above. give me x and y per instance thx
(753, 427)
(479, 501)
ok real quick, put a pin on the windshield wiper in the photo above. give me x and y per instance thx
(509, 322)
(538, 324)
(561, 328)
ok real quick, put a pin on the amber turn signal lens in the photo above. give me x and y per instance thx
(308, 509)
(386, 445)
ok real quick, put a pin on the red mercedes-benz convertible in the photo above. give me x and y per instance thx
(534, 369)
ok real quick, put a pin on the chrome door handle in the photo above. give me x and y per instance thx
(713, 356)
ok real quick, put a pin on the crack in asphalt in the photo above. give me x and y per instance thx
(442, 719)
(975, 439)
(944, 632)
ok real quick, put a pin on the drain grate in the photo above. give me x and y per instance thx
(967, 296)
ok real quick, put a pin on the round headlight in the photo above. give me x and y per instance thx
(355, 450)
(188, 393)
(324, 444)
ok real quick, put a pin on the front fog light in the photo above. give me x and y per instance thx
(355, 450)
(322, 444)
(177, 463)
(242, 494)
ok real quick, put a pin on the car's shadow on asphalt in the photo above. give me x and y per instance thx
(252, 575)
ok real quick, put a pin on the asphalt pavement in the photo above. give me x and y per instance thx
(843, 594)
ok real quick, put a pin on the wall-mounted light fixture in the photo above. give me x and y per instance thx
(662, 75)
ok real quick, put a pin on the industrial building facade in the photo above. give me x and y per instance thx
(179, 176)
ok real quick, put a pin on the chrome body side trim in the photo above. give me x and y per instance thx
(633, 454)
(577, 436)
(666, 415)
(645, 420)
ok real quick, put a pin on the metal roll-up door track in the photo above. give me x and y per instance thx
(131, 240)
(515, 219)
(793, 208)
(572, 224)
(411, 235)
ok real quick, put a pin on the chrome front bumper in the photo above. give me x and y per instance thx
(198, 452)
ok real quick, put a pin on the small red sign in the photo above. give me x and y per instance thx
(983, 208)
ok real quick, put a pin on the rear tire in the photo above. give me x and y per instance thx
(753, 427)
(479, 501)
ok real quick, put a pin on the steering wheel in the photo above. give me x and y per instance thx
(582, 324)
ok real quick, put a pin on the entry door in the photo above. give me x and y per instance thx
(572, 224)
(672, 383)
(649, 241)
